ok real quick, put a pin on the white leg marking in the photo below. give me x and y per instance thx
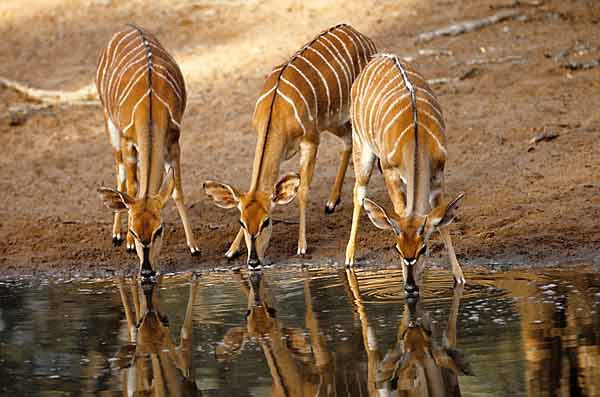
(115, 135)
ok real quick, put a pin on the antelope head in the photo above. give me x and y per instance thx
(255, 211)
(412, 235)
(416, 348)
(144, 221)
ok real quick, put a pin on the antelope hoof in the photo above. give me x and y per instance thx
(459, 281)
(195, 251)
(130, 247)
(117, 240)
(301, 249)
(231, 254)
(330, 207)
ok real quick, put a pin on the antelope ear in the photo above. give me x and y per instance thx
(378, 216)
(115, 200)
(233, 342)
(167, 187)
(223, 195)
(444, 216)
(286, 189)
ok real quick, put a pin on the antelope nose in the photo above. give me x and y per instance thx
(411, 289)
(253, 264)
(147, 273)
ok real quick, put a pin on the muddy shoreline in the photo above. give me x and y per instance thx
(526, 204)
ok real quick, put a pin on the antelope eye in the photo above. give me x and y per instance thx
(242, 224)
(265, 223)
(421, 251)
(134, 234)
(398, 250)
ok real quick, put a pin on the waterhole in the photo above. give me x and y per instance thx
(298, 332)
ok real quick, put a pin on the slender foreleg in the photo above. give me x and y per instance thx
(234, 249)
(131, 160)
(308, 156)
(457, 272)
(364, 159)
(344, 133)
(175, 157)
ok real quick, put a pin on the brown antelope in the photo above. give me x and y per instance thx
(151, 362)
(306, 95)
(398, 121)
(417, 365)
(143, 95)
(282, 346)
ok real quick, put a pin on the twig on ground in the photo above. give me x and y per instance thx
(83, 96)
(573, 65)
(516, 59)
(467, 26)
(542, 136)
(287, 222)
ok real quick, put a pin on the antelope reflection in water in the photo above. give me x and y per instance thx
(418, 365)
(151, 363)
(298, 367)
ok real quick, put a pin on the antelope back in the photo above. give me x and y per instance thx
(394, 108)
(312, 89)
(135, 73)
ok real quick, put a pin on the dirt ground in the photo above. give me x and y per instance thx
(523, 205)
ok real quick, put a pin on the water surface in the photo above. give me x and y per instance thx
(297, 332)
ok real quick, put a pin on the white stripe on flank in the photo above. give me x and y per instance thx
(263, 96)
(165, 104)
(396, 117)
(391, 155)
(112, 90)
(335, 73)
(109, 51)
(377, 92)
(312, 87)
(341, 61)
(324, 82)
(288, 100)
(352, 35)
(165, 78)
(432, 117)
(433, 106)
(310, 117)
(134, 110)
(435, 138)
(351, 60)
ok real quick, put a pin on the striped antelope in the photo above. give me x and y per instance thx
(313, 375)
(418, 364)
(152, 363)
(306, 95)
(143, 96)
(398, 121)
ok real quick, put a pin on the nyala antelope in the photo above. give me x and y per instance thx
(308, 94)
(298, 368)
(143, 95)
(151, 362)
(417, 364)
(398, 122)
